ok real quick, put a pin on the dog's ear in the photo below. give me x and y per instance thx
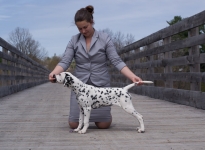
(65, 81)
(68, 80)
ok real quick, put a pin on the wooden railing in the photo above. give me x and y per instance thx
(177, 78)
(18, 71)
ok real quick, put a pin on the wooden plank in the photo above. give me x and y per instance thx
(21, 77)
(176, 45)
(177, 76)
(184, 60)
(32, 71)
(185, 97)
(32, 65)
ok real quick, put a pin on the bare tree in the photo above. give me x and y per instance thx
(119, 39)
(23, 41)
(129, 39)
(109, 32)
(20, 38)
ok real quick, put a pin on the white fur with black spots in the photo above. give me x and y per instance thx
(90, 97)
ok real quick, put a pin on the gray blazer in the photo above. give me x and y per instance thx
(92, 64)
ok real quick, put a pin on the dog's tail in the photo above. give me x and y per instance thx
(133, 84)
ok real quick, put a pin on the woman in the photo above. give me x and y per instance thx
(91, 50)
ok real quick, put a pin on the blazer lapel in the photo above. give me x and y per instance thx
(82, 41)
(94, 39)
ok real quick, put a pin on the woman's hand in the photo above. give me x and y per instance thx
(51, 77)
(57, 70)
(137, 79)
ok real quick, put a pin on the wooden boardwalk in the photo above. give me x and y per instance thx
(36, 119)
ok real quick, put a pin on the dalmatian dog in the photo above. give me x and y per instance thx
(90, 97)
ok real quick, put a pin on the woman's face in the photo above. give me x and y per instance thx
(85, 28)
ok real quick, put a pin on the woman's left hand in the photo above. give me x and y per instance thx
(137, 79)
(129, 74)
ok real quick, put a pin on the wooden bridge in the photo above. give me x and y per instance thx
(36, 118)
(34, 112)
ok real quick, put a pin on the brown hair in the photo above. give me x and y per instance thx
(85, 14)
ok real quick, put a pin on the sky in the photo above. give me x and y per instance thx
(51, 22)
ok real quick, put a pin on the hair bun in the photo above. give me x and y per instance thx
(90, 9)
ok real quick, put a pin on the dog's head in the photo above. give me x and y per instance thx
(64, 78)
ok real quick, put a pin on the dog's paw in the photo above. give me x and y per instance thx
(139, 130)
(81, 132)
(76, 130)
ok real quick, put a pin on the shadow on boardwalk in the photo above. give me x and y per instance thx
(36, 118)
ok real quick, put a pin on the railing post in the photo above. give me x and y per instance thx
(168, 69)
(123, 80)
(137, 61)
(150, 58)
(5, 72)
(195, 86)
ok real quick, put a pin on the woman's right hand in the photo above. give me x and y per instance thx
(57, 70)
(51, 78)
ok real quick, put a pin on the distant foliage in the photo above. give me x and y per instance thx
(50, 63)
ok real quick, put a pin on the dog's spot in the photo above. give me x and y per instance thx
(93, 97)
(106, 93)
(83, 90)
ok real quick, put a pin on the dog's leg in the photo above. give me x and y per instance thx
(130, 109)
(133, 112)
(87, 111)
(81, 118)
(140, 129)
